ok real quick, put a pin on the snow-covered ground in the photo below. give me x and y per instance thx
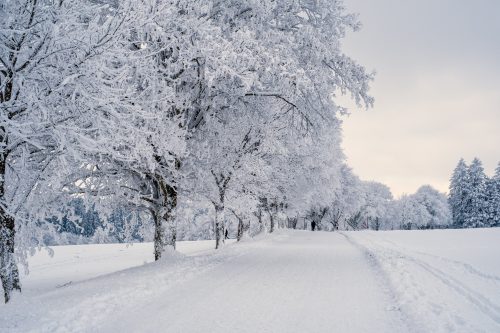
(75, 263)
(442, 280)
(293, 281)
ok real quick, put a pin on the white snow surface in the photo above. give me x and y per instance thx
(291, 281)
(442, 280)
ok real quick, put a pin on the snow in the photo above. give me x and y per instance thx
(444, 280)
(291, 281)
(74, 263)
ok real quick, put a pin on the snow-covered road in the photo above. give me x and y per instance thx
(293, 281)
(297, 282)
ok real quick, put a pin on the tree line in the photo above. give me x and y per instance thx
(165, 109)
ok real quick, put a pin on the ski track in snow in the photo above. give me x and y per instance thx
(442, 291)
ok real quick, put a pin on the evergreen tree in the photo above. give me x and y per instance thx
(476, 211)
(458, 193)
(494, 199)
(78, 219)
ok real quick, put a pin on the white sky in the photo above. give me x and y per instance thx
(437, 90)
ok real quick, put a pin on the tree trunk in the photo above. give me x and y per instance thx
(241, 226)
(170, 204)
(219, 226)
(262, 227)
(272, 209)
(9, 273)
(271, 222)
(239, 235)
(165, 202)
(159, 238)
(335, 221)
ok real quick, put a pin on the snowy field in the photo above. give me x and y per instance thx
(75, 263)
(442, 280)
(293, 281)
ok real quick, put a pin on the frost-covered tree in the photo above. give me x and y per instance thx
(316, 172)
(436, 205)
(348, 199)
(224, 153)
(458, 193)
(370, 207)
(495, 202)
(47, 52)
(140, 146)
(476, 214)
(493, 199)
(411, 213)
(298, 69)
(391, 219)
(425, 209)
(376, 198)
(316, 215)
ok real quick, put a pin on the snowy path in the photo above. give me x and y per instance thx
(303, 282)
(291, 282)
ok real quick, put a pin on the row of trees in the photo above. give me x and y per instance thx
(370, 205)
(425, 209)
(354, 205)
(474, 197)
(473, 202)
(165, 109)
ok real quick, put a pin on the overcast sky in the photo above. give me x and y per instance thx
(437, 90)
